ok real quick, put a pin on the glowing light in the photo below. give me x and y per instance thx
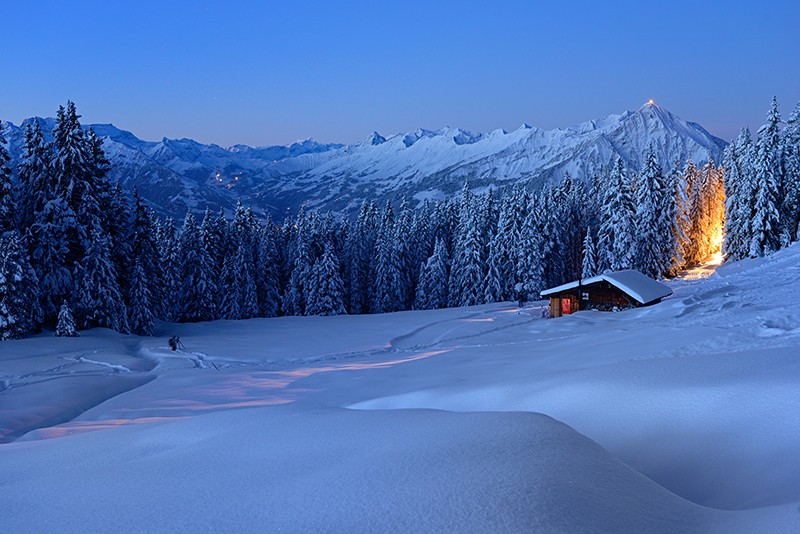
(651, 102)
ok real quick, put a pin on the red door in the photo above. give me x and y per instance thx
(566, 307)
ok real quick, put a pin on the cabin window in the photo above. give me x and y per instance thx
(584, 296)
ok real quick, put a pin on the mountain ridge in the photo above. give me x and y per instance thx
(180, 174)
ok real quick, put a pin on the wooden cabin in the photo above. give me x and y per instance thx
(606, 292)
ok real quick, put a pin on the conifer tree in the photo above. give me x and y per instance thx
(239, 295)
(35, 181)
(680, 219)
(65, 327)
(117, 222)
(141, 307)
(765, 236)
(433, 280)
(406, 260)
(144, 251)
(501, 260)
(652, 227)
(171, 265)
(386, 292)
(589, 262)
(196, 288)
(616, 236)
(466, 274)
(790, 148)
(294, 298)
(99, 300)
(49, 256)
(326, 294)
(360, 254)
(530, 254)
(8, 213)
(267, 278)
(20, 313)
(74, 166)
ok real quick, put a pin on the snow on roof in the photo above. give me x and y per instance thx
(642, 288)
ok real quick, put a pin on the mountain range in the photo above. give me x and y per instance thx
(179, 174)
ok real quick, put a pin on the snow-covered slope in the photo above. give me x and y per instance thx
(176, 174)
(679, 417)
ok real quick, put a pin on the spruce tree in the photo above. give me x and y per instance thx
(765, 236)
(386, 289)
(790, 148)
(50, 256)
(35, 179)
(171, 264)
(530, 260)
(616, 236)
(20, 313)
(326, 296)
(8, 211)
(266, 273)
(680, 217)
(144, 251)
(589, 262)
(238, 289)
(652, 225)
(294, 298)
(467, 270)
(360, 252)
(433, 280)
(141, 308)
(99, 301)
(196, 287)
(65, 327)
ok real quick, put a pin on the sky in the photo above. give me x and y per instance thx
(268, 72)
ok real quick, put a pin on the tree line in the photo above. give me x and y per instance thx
(77, 252)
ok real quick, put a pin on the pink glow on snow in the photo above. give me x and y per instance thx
(229, 390)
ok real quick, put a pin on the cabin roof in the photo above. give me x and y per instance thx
(633, 283)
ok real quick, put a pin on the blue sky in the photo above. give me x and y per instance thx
(264, 73)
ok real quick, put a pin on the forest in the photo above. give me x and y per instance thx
(78, 252)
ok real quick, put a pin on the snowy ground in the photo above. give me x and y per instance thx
(681, 417)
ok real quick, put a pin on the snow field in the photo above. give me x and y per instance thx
(685, 419)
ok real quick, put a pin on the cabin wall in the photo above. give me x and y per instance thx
(603, 295)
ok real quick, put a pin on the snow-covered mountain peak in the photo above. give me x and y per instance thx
(420, 164)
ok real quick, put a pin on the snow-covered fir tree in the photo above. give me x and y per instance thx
(433, 280)
(294, 298)
(20, 313)
(766, 228)
(141, 316)
(196, 288)
(34, 177)
(589, 260)
(49, 256)
(99, 301)
(239, 298)
(790, 153)
(680, 219)
(65, 327)
(387, 284)
(170, 270)
(616, 236)
(267, 278)
(466, 272)
(530, 258)
(8, 214)
(652, 224)
(326, 294)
